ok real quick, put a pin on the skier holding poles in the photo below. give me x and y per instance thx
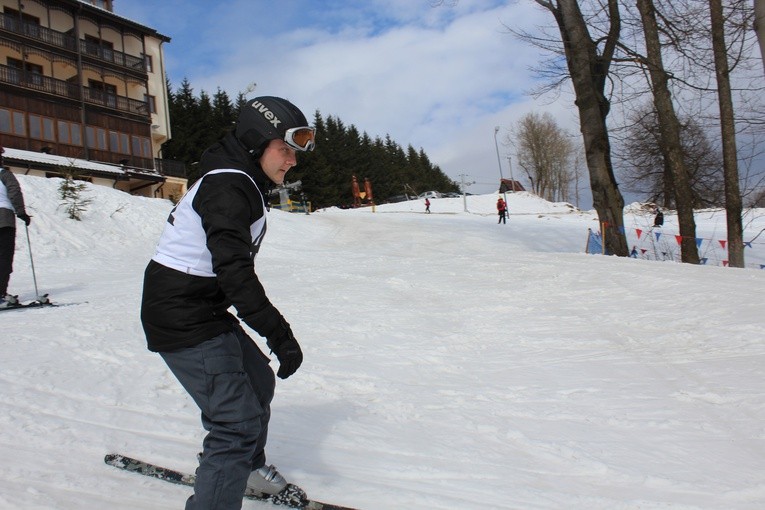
(11, 207)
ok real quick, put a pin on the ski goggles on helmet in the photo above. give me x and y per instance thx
(301, 138)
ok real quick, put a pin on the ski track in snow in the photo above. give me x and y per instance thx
(450, 363)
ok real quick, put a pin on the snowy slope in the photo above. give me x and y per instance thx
(450, 363)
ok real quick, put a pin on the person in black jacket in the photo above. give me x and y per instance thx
(658, 220)
(203, 265)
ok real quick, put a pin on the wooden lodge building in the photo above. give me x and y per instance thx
(83, 90)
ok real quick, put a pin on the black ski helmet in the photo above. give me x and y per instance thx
(264, 119)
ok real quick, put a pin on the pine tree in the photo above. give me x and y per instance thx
(70, 192)
(342, 151)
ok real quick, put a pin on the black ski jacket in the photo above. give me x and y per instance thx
(181, 310)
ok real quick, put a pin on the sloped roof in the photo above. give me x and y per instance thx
(53, 160)
(149, 30)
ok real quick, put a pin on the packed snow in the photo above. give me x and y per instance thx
(450, 362)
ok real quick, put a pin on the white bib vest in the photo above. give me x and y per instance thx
(183, 243)
(5, 202)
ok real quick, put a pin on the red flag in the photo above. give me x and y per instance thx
(679, 240)
(722, 243)
(639, 232)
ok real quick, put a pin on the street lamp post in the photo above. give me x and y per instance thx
(512, 179)
(463, 187)
(499, 162)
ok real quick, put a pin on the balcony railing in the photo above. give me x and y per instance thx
(36, 81)
(35, 31)
(122, 103)
(110, 55)
(39, 82)
(68, 41)
(170, 167)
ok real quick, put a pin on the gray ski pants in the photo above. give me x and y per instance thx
(230, 380)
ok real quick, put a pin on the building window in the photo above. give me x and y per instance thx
(96, 138)
(75, 131)
(114, 141)
(141, 146)
(91, 44)
(118, 142)
(63, 132)
(99, 47)
(69, 133)
(41, 128)
(104, 93)
(47, 131)
(12, 122)
(18, 123)
(152, 102)
(149, 63)
(31, 73)
(35, 129)
(27, 18)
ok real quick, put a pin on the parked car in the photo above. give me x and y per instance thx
(400, 198)
(451, 194)
(430, 194)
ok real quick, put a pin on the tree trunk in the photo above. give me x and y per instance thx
(589, 72)
(759, 26)
(669, 128)
(733, 207)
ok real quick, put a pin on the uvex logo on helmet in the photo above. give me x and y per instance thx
(268, 114)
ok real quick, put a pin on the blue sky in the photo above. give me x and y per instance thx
(437, 77)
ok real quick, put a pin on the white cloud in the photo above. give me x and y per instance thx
(438, 78)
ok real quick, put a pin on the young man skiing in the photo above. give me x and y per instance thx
(204, 264)
(11, 207)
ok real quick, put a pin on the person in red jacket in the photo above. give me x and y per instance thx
(427, 206)
(502, 211)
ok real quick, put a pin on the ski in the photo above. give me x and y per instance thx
(291, 497)
(40, 302)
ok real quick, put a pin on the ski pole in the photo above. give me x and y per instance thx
(34, 277)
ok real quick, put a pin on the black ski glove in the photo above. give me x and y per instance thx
(282, 343)
(27, 219)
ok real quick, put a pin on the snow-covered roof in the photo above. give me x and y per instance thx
(148, 29)
(60, 161)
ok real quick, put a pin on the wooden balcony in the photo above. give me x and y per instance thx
(46, 84)
(68, 42)
(170, 168)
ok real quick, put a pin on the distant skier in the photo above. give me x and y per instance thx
(11, 207)
(502, 211)
(204, 264)
(658, 221)
(427, 205)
